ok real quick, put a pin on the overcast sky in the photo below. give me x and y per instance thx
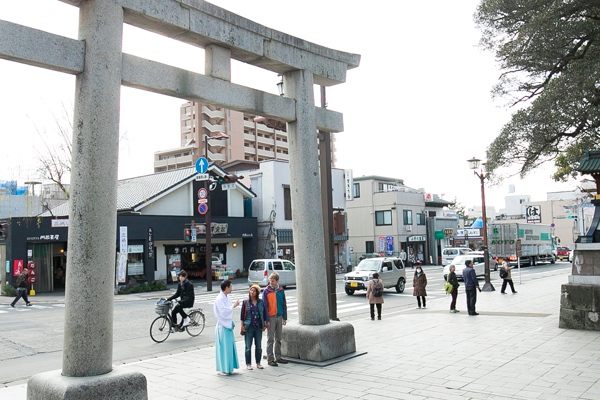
(416, 108)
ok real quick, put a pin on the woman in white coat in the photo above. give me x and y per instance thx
(224, 339)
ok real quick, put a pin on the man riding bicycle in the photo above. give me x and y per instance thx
(185, 290)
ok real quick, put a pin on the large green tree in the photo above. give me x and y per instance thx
(549, 53)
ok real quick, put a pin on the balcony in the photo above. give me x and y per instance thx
(213, 128)
(216, 114)
(213, 157)
(249, 124)
(174, 161)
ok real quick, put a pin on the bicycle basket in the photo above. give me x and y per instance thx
(162, 309)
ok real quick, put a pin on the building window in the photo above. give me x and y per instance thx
(356, 190)
(383, 217)
(229, 125)
(420, 219)
(287, 204)
(407, 214)
(369, 247)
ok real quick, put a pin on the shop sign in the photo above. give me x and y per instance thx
(448, 231)
(18, 267)
(533, 214)
(247, 235)
(279, 252)
(194, 248)
(468, 232)
(150, 243)
(381, 244)
(439, 235)
(59, 223)
(215, 229)
(349, 182)
(416, 239)
(390, 245)
(7, 266)
(44, 237)
(121, 267)
(123, 239)
(135, 248)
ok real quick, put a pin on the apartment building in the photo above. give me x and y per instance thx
(251, 138)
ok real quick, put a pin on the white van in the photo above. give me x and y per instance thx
(449, 253)
(259, 271)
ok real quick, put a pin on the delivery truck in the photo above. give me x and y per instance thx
(537, 243)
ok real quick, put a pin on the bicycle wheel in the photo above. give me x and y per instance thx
(196, 325)
(160, 329)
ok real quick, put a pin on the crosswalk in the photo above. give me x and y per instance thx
(292, 303)
(23, 308)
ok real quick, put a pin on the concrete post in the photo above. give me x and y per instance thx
(93, 208)
(305, 191)
(217, 62)
(88, 341)
(314, 338)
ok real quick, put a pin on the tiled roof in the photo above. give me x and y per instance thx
(134, 192)
(590, 163)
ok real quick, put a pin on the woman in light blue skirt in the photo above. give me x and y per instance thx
(224, 340)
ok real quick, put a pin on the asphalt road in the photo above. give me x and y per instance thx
(31, 337)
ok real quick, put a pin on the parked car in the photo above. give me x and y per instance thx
(259, 271)
(459, 262)
(449, 253)
(390, 269)
(562, 253)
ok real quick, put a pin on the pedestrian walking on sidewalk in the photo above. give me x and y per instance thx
(254, 319)
(419, 284)
(403, 257)
(185, 291)
(453, 280)
(276, 305)
(225, 350)
(507, 278)
(22, 288)
(375, 295)
(471, 285)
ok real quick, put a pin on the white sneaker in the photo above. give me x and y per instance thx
(186, 322)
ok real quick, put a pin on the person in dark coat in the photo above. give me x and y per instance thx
(419, 284)
(375, 301)
(185, 290)
(453, 280)
(22, 288)
(471, 284)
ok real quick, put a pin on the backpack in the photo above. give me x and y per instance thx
(503, 273)
(377, 289)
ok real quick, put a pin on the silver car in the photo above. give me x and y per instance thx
(390, 269)
(259, 271)
(459, 263)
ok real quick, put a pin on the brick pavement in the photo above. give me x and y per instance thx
(512, 350)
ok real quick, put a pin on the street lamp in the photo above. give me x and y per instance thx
(208, 251)
(474, 165)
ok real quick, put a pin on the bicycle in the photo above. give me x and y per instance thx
(162, 326)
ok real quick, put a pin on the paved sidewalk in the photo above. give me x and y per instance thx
(512, 350)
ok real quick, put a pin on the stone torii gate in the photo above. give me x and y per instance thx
(101, 67)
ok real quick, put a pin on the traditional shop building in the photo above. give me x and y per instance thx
(154, 213)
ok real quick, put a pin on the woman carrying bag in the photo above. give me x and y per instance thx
(453, 280)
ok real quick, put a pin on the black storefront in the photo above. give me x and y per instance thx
(43, 240)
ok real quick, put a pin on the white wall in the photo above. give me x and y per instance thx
(177, 202)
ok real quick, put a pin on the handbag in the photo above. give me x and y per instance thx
(448, 287)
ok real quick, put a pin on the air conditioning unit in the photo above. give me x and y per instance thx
(408, 228)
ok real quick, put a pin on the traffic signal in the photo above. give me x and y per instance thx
(3, 231)
(231, 178)
(187, 235)
(573, 217)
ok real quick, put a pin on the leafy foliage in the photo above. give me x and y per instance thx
(549, 51)
(145, 287)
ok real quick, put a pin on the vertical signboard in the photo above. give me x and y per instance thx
(150, 243)
(123, 239)
(349, 184)
(390, 245)
(18, 267)
(381, 246)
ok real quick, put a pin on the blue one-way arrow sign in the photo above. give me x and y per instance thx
(202, 165)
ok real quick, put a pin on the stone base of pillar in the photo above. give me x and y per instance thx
(580, 307)
(318, 343)
(115, 385)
